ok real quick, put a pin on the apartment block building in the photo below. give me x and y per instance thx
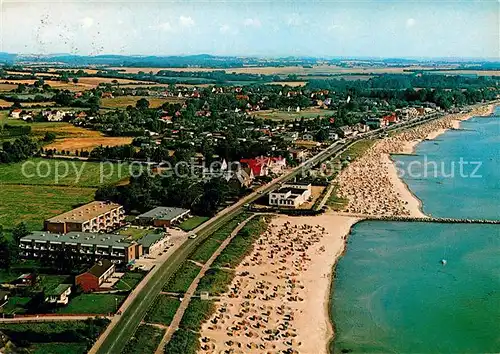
(82, 247)
(93, 217)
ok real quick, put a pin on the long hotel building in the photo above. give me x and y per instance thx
(93, 217)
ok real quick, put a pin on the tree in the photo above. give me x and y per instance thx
(75, 80)
(142, 104)
(7, 250)
(19, 231)
(49, 137)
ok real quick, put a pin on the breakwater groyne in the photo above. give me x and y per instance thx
(431, 219)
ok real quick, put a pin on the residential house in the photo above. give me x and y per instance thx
(346, 131)
(391, 119)
(54, 116)
(59, 295)
(92, 279)
(375, 123)
(25, 280)
(361, 128)
(16, 113)
(332, 135)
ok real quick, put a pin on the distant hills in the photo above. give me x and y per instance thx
(207, 60)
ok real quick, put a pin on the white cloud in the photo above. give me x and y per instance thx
(186, 21)
(410, 22)
(87, 22)
(252, 22)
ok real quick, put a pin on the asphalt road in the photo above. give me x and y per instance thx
(116, 337)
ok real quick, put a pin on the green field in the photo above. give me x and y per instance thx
(163, 310)
(145, 340)
(16, 305)
(34, 204)
(357, 149)
(129, 281)
(196, 313)
(210, 245)
(215, 281)
(183, 341)
(335, 202)
(62, 337)
(37, 171)
(134, 233)
(292, 115)
(241, 244)
(58, 348)
(182, 278)
(193, 223)
(93, 304)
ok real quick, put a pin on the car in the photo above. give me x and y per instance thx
(193, 236)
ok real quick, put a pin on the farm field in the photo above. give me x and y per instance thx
(7, 87)
(87, 144)
(34, 204)
(286, 70)
(73, 173)
(124, 101)
(292, 115)
(289, 83)
(65, 337)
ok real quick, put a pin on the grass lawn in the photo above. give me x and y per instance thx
(357, 149)
(335, 202)
(58, 348)
(37, 171)
(16, 305)
(215, 281)
(292, 115)
(145, 340)
(210, 245)
(134, 233)
(196, 313)
(68, 337)
(7, 276)
(129, 281)
(34, 204)
(98, 304)
(182, 278)
(193, 223)
(163, 310)
(183, 341)
(124, 101)
(49, 282)
(241, 244)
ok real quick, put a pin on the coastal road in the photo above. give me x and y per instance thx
(174, 325)
(122, 328)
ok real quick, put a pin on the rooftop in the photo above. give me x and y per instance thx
(164, 213)
(85, 238)
(295, 191)
(58, 290)
(85, 212)
(151, 239)
(100, 268)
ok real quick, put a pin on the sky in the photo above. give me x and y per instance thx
(268, 28)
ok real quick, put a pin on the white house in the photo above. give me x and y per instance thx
(290, 195)
(59, 295)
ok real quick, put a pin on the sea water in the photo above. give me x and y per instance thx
(391, 292)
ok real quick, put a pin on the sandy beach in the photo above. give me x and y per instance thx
(371, 183)
(278, 301)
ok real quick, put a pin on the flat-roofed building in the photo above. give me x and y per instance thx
(291, 195)
(93, 217)
(164, 216)
(92, 279)
(152, 242)
(81, 246)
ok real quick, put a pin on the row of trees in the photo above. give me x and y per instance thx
(146, 192)
(9, 245)
(18, 150)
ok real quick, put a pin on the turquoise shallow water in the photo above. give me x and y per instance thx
(392, 294)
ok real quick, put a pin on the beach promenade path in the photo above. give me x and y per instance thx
(174, 325)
